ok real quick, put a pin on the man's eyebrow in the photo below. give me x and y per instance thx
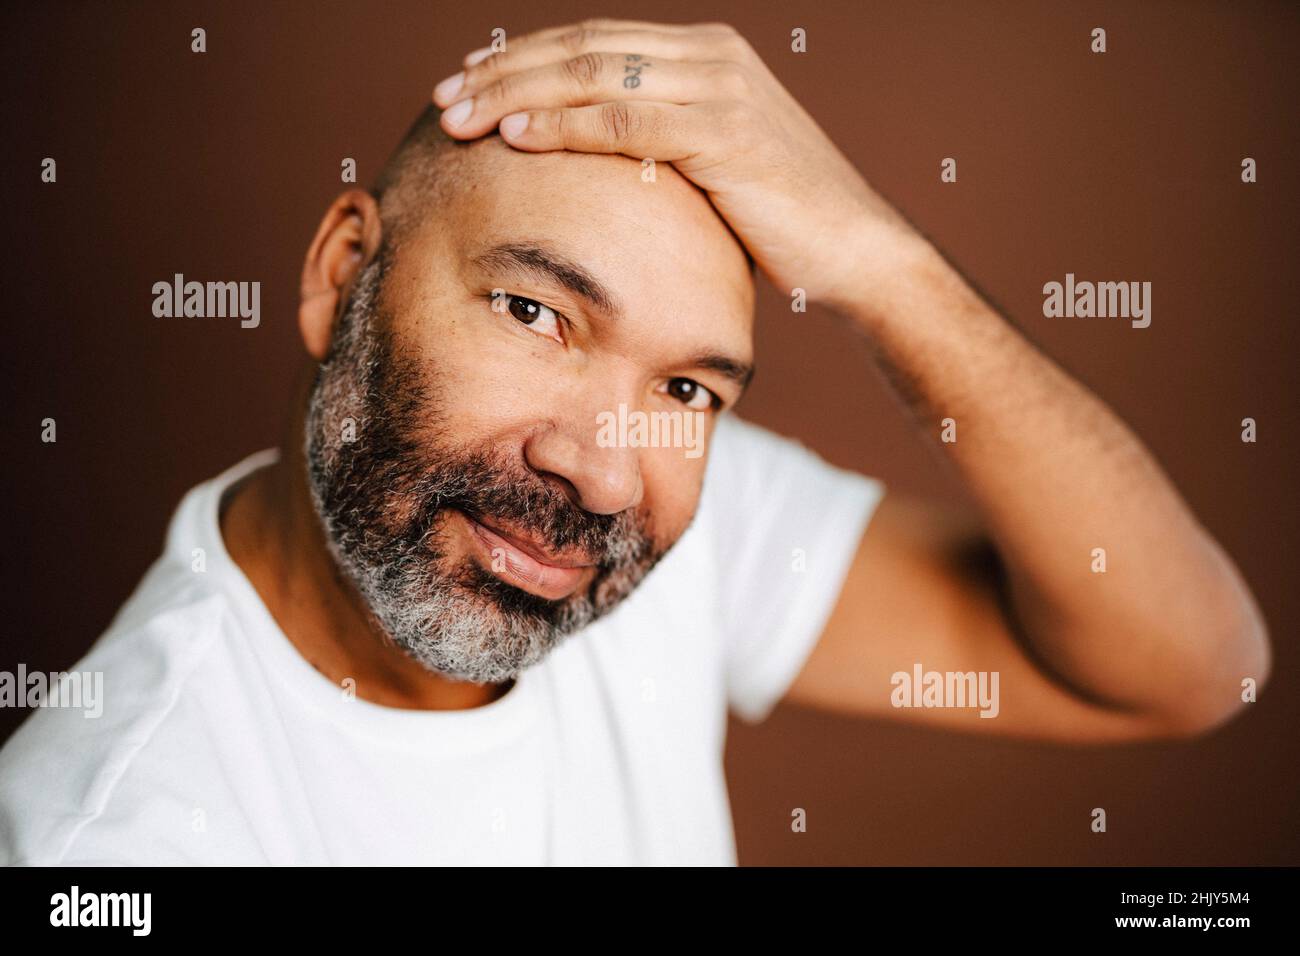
(538, 260)
(547, 265)
(739, 372)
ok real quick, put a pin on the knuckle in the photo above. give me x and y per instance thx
(727, 40)
(482, 74)
(737, 46)
(585, 69)
(497, 91)
(486, 70)
(735, 121)
(579, 39)
(732, 79)
(619, 120)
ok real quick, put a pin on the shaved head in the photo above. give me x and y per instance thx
(418, 176)
(423, 172)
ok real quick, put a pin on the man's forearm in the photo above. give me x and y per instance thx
(1056, 474)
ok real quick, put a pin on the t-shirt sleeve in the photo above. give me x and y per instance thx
(786, 528)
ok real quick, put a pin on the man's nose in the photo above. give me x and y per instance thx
(602, 480)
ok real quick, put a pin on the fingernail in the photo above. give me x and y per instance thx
(448, 88)
(459, 112)
(514, 124)
(482, 53)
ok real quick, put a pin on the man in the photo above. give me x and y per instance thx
(455, 621)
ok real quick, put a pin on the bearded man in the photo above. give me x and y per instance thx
(446, 624)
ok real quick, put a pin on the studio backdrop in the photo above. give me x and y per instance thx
(1128, 164)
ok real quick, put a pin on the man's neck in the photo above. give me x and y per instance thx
(273, 534)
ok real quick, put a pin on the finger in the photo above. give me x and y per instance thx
(518, 58)
(665, 132)
(552, 46)
(599, 27)
(595, 78)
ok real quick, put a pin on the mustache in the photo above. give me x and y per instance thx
(484, 488)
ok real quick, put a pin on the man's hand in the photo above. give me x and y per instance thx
(1159, 644)
(700, 98)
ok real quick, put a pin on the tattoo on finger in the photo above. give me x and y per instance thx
(632, 68)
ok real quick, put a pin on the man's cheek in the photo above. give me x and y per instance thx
(672, 491)
(493, 381)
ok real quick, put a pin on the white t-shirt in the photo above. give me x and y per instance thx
(218, 743)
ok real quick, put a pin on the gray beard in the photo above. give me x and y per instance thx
(382, 496)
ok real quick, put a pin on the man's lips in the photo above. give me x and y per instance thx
(530, 548)
(525, 564)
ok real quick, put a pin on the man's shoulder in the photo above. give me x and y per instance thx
(63, 770)
(738, 452)
(755, 469)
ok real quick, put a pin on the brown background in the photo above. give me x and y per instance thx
(1122, 166)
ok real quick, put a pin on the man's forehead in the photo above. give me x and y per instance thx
(660, 239)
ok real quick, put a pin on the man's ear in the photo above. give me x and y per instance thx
(347, 239)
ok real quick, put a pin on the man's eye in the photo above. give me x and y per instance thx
(692, 394)
(540, 318)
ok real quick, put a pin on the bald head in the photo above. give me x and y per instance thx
(427, 167)
(417, 176)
